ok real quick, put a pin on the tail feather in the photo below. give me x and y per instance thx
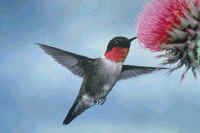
(71, 115)
(79, 106)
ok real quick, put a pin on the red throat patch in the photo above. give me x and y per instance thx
(117, 54)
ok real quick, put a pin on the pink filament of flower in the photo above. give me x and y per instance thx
(158, 18)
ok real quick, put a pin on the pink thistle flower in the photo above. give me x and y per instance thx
(172, 26)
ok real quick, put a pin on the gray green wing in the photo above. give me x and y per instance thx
(129, 71)
(77, 64)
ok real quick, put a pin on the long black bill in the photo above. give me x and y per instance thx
(132, 39)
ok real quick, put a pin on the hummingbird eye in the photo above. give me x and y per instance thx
(116, 42)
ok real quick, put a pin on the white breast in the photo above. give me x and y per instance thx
(112, 67)
(112, 72)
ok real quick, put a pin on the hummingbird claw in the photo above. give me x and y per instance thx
(100, 101)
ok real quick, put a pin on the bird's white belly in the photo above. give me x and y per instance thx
(107, 87)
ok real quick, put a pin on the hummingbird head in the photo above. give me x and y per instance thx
(118, 48)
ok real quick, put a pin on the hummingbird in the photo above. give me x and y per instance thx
(99, 74)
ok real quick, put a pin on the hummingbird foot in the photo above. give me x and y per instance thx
(100, 101)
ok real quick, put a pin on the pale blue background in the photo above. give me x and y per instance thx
(36, 92)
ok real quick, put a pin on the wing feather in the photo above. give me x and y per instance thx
(129, 71)
(77, 64)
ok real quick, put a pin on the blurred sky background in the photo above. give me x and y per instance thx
(36, 92)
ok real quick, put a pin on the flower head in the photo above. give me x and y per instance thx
(172, 26)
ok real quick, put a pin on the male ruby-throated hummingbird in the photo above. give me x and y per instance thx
(99, 74)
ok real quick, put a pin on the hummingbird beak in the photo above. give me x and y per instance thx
(130, 40)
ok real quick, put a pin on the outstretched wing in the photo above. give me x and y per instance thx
(77, 64)
(129, 71)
